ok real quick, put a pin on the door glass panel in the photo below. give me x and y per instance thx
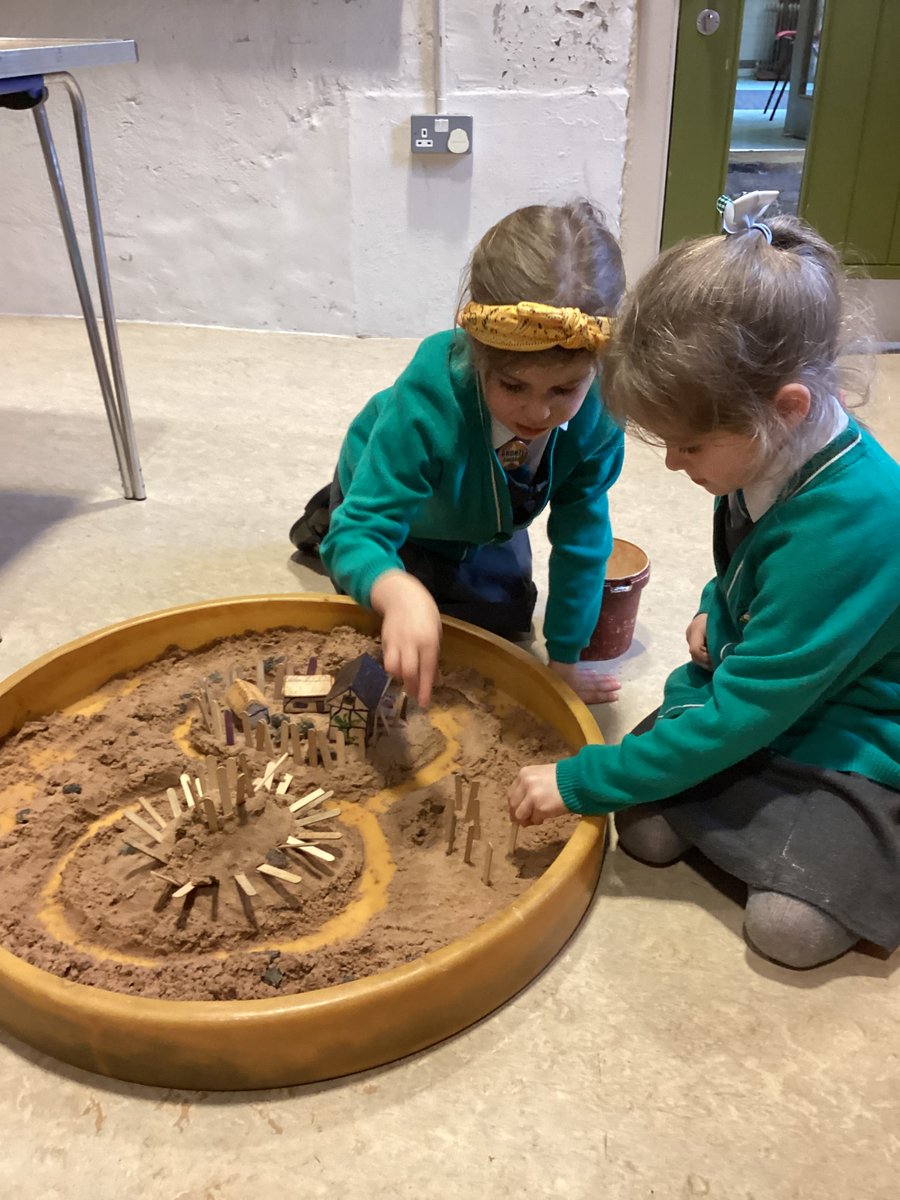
(779, 52)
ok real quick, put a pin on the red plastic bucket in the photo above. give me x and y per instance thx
(627, 571)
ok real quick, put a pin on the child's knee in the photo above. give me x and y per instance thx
(792, 932)
(645, 833)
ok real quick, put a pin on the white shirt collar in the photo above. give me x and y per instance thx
(500, 435)
(759, 497)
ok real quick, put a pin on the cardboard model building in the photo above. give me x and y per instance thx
(306, 693)
(365, 697)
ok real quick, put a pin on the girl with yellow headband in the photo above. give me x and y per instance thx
(490, 424)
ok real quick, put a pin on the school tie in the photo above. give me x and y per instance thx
(512, 454)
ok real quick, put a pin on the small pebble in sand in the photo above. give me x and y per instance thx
(273, 976)
(22, 816)
(72, 789)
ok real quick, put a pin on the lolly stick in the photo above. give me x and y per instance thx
(225, 790)
(315, 835)
(167, 879)
(151, 811)
(154, 854)
(451, 830)
(324, 750)
(144, 826)
(296, 744)
(185, 781)
(270, 771)
(277, 873)
(511, 844)
(486, 870)
(231, 769)
(245, 885)
(470, 838)
(218, 719)
(315, 851)
(268, 743)
(174, 803)
(210, 815)
(471, 814)
(315, 798)
(211, 765)
(322, 816)
(184, 890)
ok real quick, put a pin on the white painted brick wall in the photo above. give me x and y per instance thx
(254, 168)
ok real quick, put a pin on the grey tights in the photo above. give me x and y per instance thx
(787, 930)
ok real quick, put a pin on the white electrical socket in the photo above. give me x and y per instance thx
(440, 134)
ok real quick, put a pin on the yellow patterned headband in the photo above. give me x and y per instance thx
(527, 326)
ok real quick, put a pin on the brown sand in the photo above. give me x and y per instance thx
(75, 899)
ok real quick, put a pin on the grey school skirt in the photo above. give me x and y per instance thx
(831, 838)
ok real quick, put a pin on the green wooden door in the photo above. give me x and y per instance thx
(851, 182)
(703, 96)
(851, 179)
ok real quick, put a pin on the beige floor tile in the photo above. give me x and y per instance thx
(654, 1058)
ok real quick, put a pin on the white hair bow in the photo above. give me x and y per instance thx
(746, 212)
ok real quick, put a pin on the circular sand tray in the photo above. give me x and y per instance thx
(332, 1031)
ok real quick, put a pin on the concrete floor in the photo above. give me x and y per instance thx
(654, 1058)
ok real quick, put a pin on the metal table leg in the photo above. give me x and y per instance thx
(115, 394)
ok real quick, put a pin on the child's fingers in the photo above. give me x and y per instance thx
(514, 796)
(520, 805)
(410, 674)
(391, 657)
(524, 814)
(595, 688)
(428, 661)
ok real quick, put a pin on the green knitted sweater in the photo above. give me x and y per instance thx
(804, 631)
(417, 462)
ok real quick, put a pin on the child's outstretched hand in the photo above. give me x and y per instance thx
(588, 682)
(410, 632)
(696, 640)
(534, 796)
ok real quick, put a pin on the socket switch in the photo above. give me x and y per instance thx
(440, 133)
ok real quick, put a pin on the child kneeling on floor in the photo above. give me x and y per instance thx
(440, 475)
(776, 749)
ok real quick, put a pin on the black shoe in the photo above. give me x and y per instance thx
(308, 531)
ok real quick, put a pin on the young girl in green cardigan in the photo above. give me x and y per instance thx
(776, 749)
(491, 423)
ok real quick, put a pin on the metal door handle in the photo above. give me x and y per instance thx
(708, 21)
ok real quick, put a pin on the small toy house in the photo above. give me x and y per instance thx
(246, 700)
(364, 697)
(306, 693)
